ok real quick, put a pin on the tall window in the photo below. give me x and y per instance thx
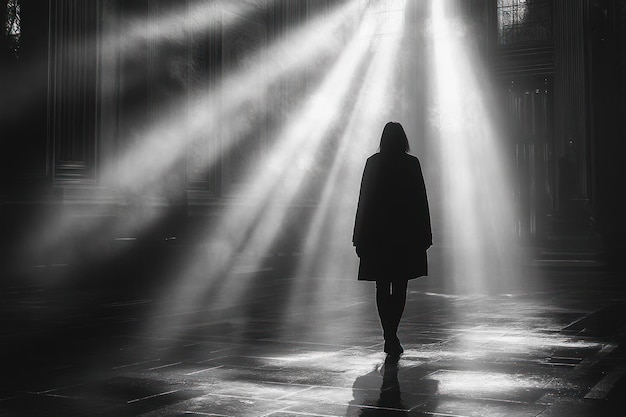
(12, 27)
(521, 21)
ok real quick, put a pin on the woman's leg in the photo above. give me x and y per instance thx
(383, 300)
(390, 301)
(385, 308)
(398, 301)
(398, 295)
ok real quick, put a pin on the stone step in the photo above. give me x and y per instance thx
(569, 259)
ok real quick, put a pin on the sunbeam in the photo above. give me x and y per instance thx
(476, 208)
(250, 227)
(175, 25)
(328, 258)
(138, 174)
(161, 145)
(312, 207)
(351, 56)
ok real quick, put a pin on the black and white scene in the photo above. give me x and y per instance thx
(313, 208)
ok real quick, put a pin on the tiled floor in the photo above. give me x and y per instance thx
(277, 345)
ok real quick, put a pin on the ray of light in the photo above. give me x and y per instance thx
(366, 111)
(161, 145)
(176, 25)
(139, 172)
(276, 180)
(271, 185)
(476, 206)
(131, 39)
(329, 254)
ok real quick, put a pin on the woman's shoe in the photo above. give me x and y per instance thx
(393, 348)
(397, 350)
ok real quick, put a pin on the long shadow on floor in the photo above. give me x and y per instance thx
(390, 400)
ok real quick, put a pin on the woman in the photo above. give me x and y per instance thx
(392, 228)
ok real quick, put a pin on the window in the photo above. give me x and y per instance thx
(13, 29)
(521, 21)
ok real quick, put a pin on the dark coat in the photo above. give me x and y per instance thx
(392, 227)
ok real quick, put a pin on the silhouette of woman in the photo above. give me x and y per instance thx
(392, 228)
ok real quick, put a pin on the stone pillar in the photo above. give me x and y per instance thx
(73, 90)
(571, 124)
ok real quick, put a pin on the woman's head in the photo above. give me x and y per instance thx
(393, 139)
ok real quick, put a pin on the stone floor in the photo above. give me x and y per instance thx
(280, 345)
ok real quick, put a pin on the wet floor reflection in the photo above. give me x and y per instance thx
(388, 400)
(550, 353)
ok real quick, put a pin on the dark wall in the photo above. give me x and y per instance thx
(23, 115)
(607, 105)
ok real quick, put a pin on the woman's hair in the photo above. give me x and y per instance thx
(393, 139)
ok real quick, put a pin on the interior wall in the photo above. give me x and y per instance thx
(607, 103)
(26, 153)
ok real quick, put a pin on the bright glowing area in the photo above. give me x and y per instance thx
(185, 210)
(243, 90)
(275, 181)
(475, 207)
(506, 340)
(140, 172)
(353, 61)
(352, 56)
(333, 220)
(482, 384)
(352, 101)
(175, 25)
